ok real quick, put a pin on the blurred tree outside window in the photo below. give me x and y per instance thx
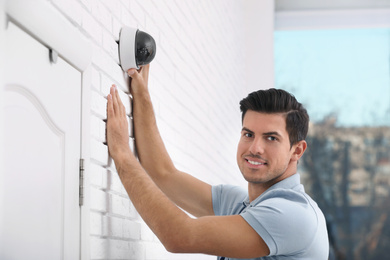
(343, 78)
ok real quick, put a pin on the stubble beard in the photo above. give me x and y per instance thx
(261, 178)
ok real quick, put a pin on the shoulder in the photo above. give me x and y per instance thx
(286, 219)
(287, 198)
(288, 205)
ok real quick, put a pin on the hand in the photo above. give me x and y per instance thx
(117, 126)
(139, 79)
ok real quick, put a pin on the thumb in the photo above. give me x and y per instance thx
(137, 81)
(133, 73)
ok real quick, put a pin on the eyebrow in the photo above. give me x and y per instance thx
(264, 134)
(272, 133)
(247, 130)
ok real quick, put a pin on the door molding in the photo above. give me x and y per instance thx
(21, 90)
(47, 25)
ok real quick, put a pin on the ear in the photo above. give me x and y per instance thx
(298, 150)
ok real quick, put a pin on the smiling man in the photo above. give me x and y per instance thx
(273, 219)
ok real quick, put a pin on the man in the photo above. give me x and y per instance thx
(274, 219)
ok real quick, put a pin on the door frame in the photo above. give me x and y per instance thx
(46, 24)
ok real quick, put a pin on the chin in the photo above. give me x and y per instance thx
(254, 178)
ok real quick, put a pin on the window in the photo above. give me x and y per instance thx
(343, 78)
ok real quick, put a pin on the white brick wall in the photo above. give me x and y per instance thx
(196, 81)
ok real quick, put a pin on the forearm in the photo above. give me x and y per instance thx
(150, 147)
(227, 235)
(161, 215)
(165, 219)
(187, 192)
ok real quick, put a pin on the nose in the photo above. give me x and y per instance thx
(257, 146)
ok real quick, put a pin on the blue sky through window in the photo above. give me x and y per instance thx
(342, 73)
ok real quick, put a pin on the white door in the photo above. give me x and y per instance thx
(42, 114)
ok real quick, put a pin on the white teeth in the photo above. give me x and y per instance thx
(255, 163)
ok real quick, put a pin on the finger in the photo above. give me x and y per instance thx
(114, 99)
(135, 76)
(145, 73)
(132, 73)
(110, 107)
(121, 107)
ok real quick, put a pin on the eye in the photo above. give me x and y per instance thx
(248, 135)
(272, 138)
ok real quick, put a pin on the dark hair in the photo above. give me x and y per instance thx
(279, 101)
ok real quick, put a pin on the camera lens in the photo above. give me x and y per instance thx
(145, 47)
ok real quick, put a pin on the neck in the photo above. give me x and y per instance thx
(255, 189)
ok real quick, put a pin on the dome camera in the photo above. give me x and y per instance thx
(136, 48)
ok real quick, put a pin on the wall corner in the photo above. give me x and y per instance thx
(2, 43)
(259, 29)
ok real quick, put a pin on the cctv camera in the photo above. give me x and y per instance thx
(136, 48)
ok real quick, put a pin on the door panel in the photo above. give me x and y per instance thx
(42, 108)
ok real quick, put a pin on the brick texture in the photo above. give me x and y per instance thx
(196, 82)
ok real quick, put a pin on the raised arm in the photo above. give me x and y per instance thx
(229, 236)
(189, 193)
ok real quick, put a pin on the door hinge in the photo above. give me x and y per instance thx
(81, 182)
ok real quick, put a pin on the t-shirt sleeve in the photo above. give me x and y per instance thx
(287, 223)
(226, 198)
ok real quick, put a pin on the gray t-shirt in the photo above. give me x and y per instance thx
(286, 218)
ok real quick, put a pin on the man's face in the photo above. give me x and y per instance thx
(264, 154)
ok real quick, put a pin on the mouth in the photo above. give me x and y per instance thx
(255, 163)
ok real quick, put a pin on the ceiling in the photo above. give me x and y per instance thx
(305, 5)
(331, 14)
